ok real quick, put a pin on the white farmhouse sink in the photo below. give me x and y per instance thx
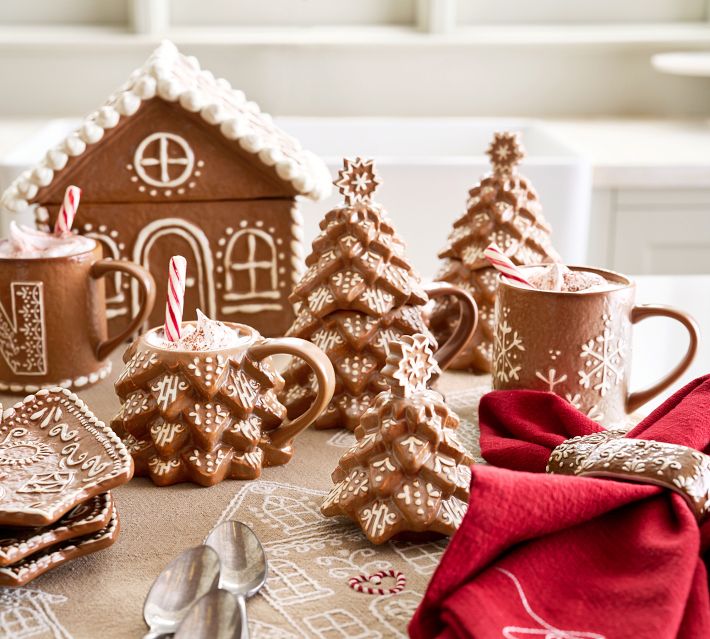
(427, 167)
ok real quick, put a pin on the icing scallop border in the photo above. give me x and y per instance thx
(175, 77)
(78, 382)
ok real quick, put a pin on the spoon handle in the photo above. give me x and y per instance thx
(154, 634)
(245, 620)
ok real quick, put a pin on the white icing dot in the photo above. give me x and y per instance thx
(191, 185)
(181, 191)
(259, 223)
(282, 256)
(197, 174)
(168, 192)
(243, 224)
(221, 241)
(129, 167)
(200, 163)
(219, 255)
(141, 188)
(134, 179)
(102, 228)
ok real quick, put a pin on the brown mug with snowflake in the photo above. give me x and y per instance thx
(571, 335)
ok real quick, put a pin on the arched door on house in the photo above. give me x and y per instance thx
(251, 273)
(156, 244)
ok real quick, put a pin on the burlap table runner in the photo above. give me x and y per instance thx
(311, 558)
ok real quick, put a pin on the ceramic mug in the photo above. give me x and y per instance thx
(578, 345)
(53, 319)
(205, 416)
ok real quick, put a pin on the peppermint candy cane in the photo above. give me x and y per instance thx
(175, 298)
(503, 265)
(67, 212)
(358, 584)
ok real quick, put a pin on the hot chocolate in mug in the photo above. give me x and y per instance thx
(53, 329)
(578, 344)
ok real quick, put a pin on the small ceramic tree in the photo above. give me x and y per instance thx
(503, 208)
(407, 475)
(358, 293)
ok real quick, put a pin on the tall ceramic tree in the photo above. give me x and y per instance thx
(503, 208)
(358, 293)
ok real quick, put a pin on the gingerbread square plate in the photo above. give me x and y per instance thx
(35, 565)
(55, 454)
(85, 518)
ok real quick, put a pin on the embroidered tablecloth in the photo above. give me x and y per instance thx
(311, 558)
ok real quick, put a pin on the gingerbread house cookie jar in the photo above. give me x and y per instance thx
(178, 162)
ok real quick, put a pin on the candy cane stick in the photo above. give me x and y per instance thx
(176, 297)
(502, 264)
(67, 212)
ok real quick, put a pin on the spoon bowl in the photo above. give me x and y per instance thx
(242, 558)
(217, 615)
(187, 578)
(243, 563)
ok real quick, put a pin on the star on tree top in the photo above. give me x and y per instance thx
(357, 180)
(410, 365)
(505, 151)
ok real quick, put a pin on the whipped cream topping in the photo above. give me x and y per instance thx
(205, 335)
(24, 242)
(558, 277)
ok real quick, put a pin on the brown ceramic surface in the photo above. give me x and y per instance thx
(359, 292)
(53, 319)
(609, 454)
(407, 474)
(54, 455)
(35, 565)
(577, 345)
(207, 416)
(503, 208)
(85, 518)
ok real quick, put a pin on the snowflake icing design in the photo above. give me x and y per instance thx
(357, 180)
(507, 345)
(603, 360)
(505, 152)
(410, 364)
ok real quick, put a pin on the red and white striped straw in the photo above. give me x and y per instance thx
(503, 265)
(176, 297)
(65, 219)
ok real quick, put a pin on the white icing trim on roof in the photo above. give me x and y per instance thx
(175, 77)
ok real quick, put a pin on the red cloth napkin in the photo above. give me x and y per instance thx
(562, 557)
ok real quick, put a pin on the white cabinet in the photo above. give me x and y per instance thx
(651, 231)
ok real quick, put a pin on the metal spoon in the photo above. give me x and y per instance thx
(183, 581)
(243, 562)
(217, 615)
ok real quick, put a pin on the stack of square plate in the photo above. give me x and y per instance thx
(57, 464)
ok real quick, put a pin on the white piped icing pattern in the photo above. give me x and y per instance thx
(79, 382)
(178, 78)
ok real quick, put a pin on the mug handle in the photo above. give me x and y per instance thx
(466, 327)
(321, 367)
(146, 285)
(638, 313)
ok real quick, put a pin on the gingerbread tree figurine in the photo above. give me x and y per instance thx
(358, 293)
(503, 208)
(406, 475)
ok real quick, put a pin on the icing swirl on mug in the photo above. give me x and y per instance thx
(24, 242)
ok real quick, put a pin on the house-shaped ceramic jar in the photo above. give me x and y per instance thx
(179, 162)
